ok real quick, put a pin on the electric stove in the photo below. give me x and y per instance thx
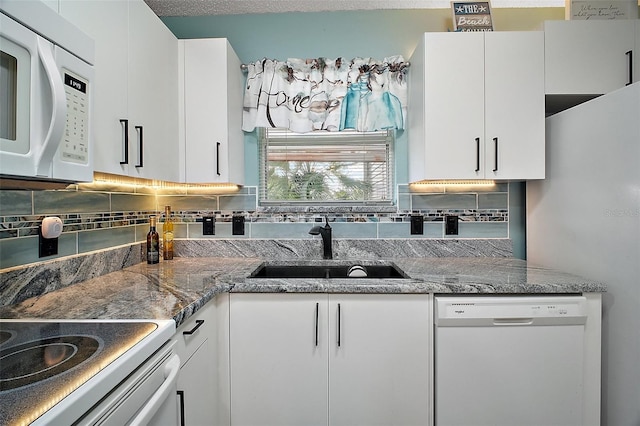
(54, 367)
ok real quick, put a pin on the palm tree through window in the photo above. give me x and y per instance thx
(342, 167)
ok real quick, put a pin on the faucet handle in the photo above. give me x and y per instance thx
(326, 219)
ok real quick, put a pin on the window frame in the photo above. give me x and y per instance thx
(282, 136)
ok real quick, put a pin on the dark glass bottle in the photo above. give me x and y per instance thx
(153, 242)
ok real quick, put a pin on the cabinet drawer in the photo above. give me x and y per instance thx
(194, 332)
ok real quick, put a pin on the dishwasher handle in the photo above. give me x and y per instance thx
(166, 390)
(512, 321)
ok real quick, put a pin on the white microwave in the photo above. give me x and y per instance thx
(46, 75)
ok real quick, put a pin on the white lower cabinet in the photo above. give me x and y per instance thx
(196, 392)
(338, 359)
(202, 389)
(279, 374)
(379, 371)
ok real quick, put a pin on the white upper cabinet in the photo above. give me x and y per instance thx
(636, 55)
(514, 105)
(212, 88)
(107, 22)
(590, 57)
(476, 106)
(136, 87)
(153, 93)
(446, 107)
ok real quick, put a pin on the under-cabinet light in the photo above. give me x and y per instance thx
(456, 183)
(100, 180)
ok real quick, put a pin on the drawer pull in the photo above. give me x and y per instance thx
(218, 158)
(477, 154)
(181, 396)
(193, 330)
(125, 141)
(339, 318)
(630, 56)
(495, 141)
(317, 313)
(140, 163)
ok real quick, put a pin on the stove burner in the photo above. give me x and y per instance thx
(38, 360)
(5, 335)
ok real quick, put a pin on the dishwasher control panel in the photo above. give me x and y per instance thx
(510, 310)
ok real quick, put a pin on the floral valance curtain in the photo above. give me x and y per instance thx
(304, 95)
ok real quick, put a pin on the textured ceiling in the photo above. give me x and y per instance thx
(236, 7)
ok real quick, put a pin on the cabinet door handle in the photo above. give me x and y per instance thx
(317, 314)
(477, 154)
(140, 146)
(125, 141)
(218, 158)
(181, 398)
(193, 330)
(339, 317)
(630, 56)
(495, 167)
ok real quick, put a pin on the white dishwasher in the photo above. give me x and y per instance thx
(509, 360)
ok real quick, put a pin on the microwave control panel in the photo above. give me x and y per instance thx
(75, 143)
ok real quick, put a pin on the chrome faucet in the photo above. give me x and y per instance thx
(325, 233)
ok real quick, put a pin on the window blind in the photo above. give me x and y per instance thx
(341, 167)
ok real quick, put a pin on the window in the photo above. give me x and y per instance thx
(345, 167)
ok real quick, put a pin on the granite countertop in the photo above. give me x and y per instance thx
(176, 289)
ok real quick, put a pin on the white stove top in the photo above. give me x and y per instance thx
(54, 367)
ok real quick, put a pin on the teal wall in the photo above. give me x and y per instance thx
(376, 34)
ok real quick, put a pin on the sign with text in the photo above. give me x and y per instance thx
(471, 16)
(598, 9)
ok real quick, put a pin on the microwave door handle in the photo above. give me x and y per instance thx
(51, 142)
(166, 390)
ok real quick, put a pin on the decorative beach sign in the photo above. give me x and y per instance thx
(471, 16)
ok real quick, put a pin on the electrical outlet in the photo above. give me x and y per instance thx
(47, 246)
(451, 225)
(208, 225)
(417, 224)
(237, 225)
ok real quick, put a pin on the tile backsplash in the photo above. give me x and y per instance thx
(109, 216)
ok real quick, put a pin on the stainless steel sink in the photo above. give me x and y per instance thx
(341, 271)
